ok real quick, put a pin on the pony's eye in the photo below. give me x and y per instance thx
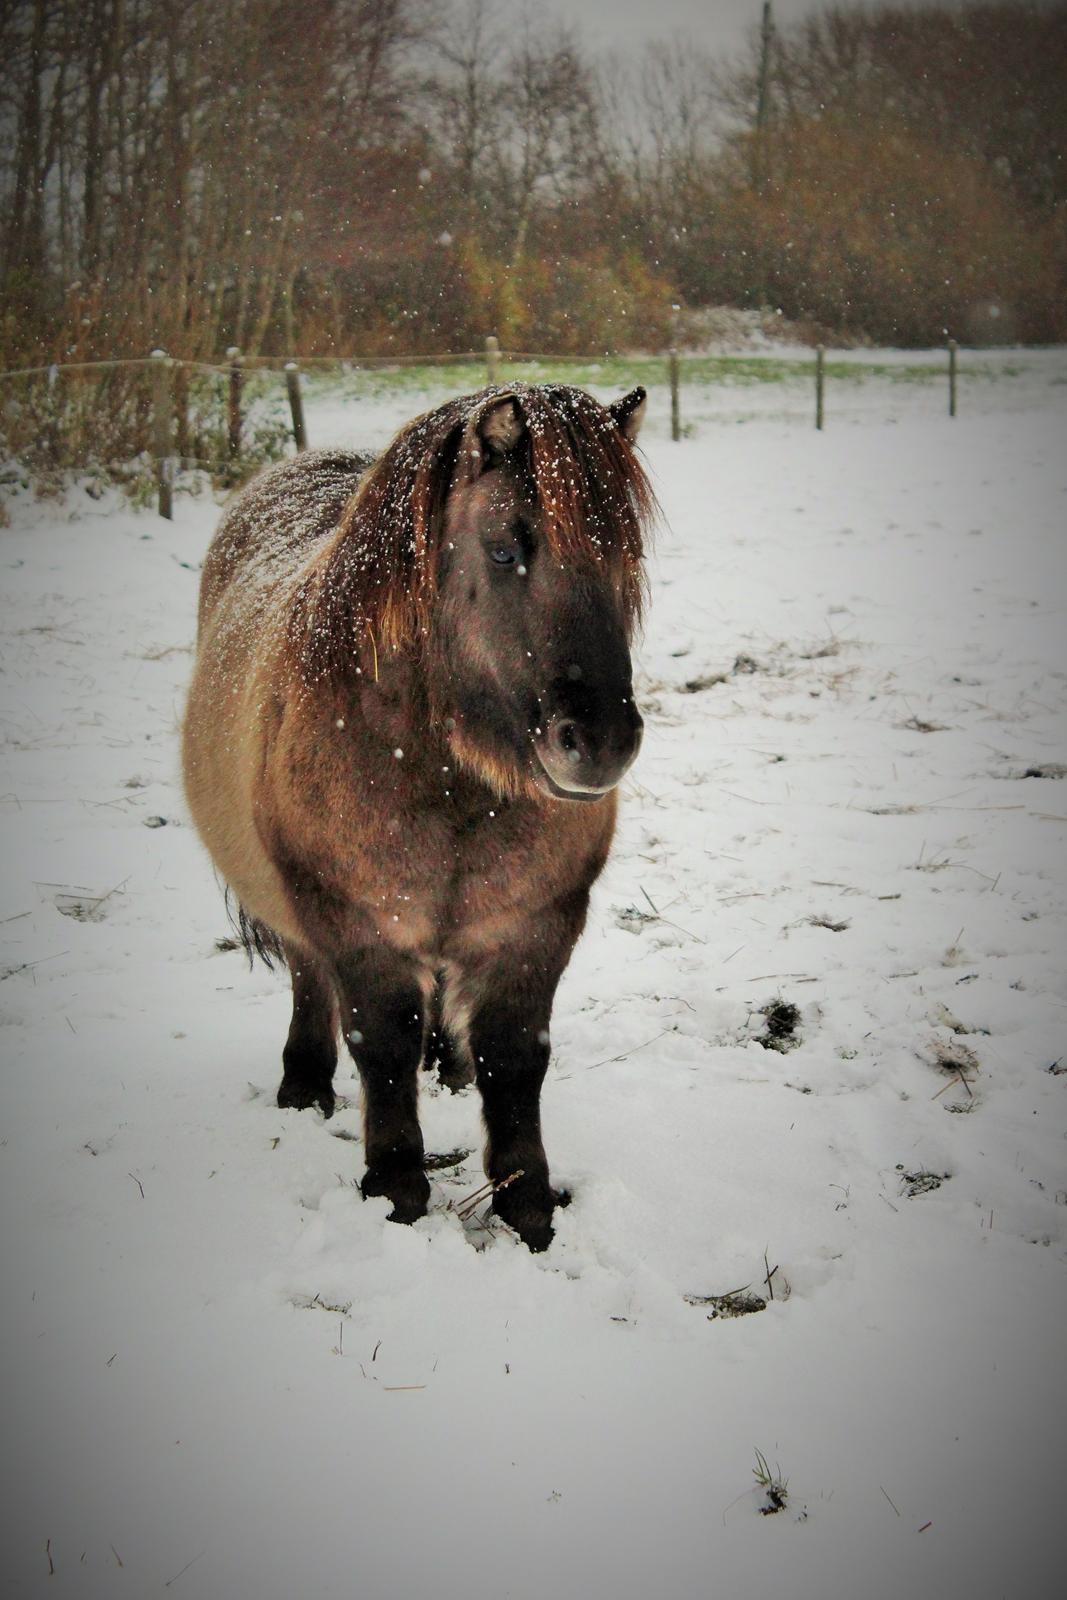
(503, 555)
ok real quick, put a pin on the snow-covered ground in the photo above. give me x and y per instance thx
(228, 1376)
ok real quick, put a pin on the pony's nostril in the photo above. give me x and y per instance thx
(585, 752)
(568, 742)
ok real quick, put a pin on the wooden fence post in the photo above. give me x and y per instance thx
(233, 356)
(952, 349)
(492, 359)
(162, 417)
(52, 425)
(181, 410)
(820, 384)
(296, 404)
(674, 373)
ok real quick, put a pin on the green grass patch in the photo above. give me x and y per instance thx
(619, 373)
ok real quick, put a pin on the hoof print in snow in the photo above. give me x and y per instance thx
(953, 1057)
(735, 1303)
(447, 1158)
(783, 1020)
(315, 1302)
(1044, 769)
(960, 1064)
(83, 908)
(945, 1018)
(921, 1182)
(633, 919)
(743, 666)
(155, 822)
(698, 685)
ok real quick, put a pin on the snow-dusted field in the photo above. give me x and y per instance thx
(228, 1376)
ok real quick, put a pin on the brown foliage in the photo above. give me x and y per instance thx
(379, 176)
(867, 228)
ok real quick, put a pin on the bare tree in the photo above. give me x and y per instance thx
(464, 91)
(549, 125)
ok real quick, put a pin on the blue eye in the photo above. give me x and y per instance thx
(503, 555)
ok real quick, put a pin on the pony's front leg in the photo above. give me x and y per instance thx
(383, 1018)
(508, 1038)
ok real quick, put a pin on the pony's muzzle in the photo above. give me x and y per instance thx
(586, 756)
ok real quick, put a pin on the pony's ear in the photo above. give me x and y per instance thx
(492, 436)
(629, 412)
(501, 428)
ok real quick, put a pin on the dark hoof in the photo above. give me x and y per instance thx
(409, 1192)
(298, 1094)
(454, 1069)
(527, 1205)
(461, 1078)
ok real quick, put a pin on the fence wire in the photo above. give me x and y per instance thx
(169, 427)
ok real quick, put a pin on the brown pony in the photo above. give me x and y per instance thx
(411, 707)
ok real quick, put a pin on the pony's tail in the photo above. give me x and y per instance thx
(255, 938)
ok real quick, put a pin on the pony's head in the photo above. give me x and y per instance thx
(538, 590)
(500, 538)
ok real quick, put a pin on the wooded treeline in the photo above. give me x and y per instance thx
(373, 176)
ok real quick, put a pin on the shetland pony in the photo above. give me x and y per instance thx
(411, 708)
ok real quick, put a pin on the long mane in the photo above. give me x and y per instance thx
(374, 583)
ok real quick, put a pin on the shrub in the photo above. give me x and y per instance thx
(872, 230)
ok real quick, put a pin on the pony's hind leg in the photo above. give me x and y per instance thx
(452, 1058)
(310, 1054)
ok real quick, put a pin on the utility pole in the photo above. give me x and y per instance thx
(763, 95)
